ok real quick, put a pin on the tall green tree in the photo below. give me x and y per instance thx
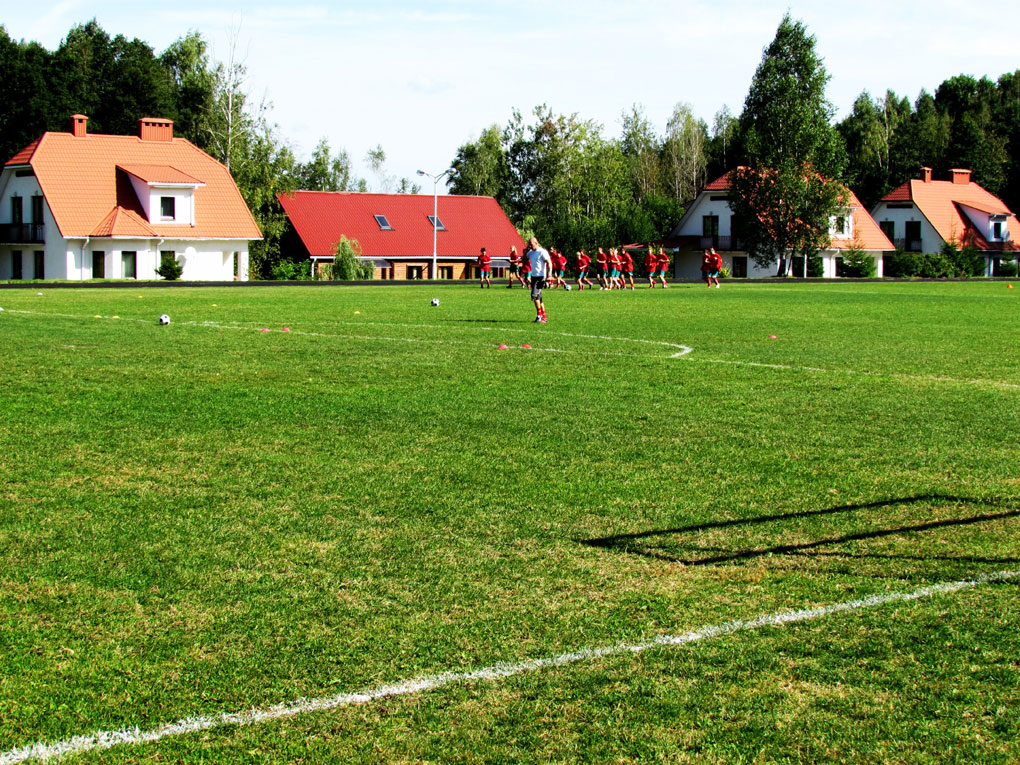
(479, 167)
(788, 192)
(325, 172)
(684, 154)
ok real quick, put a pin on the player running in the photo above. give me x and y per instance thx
(627, 262)
(716, 267)
(614, 269)
(559, 263)
(603, 263)
(651, 266)
(485, 269)
(583, 262)
(663, 263)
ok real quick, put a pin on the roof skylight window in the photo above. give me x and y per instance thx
(438, 225)
(384, 225)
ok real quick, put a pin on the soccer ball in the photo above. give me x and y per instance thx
(164, 319)
(435, 301)
(568, 288)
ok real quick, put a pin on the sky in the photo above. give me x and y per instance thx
(423, 78)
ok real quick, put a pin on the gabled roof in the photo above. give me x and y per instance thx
(942, 203)
(160, 175)
(869, 235)
(320, 218)
(83, 188)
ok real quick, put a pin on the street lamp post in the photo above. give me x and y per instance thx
(435, 213)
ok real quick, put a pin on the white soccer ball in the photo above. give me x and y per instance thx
(568, 288)
(164, 319)
(435, 301)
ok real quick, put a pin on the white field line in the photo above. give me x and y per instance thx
(684, 350)
(128, 736)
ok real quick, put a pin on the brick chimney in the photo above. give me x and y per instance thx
(155, 129)
(961, 177)
(927, 174)
(78, 125)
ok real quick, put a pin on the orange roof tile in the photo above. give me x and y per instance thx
(867, 233)
(942, 202)
(79, 178)
(123, 223)
(160, 174)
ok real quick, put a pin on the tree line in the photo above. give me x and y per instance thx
(561, 177)
(117, 81)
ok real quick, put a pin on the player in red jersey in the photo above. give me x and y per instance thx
(583, 262)
(485, 269)
(515, 268)
(627, 261)
(615, 265)
(651, 266)
(716, 267)
(603, 263)
(559, 267)
(663, 262)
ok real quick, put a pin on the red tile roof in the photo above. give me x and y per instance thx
(942, 203)
(320, 218)
(83, 188)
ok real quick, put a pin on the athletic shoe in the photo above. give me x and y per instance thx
(538, 319)
(542, 320)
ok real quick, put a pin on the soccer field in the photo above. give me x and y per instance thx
(770, 522)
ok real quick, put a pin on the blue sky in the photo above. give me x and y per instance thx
(422, 78)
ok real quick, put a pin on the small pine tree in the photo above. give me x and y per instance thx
(169, 268)
(856, 261)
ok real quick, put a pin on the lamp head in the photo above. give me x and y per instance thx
(421, 172)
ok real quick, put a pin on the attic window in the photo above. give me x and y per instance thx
(384, 225)
(167, 208)
(434, 221)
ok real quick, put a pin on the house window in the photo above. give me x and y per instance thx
(445, 272)
(37, 210)
(16, 213)
(98, 264)
(710, 226)
(16, 264)
(913, 236)
(384, 225)
(997, 230)
(129, 264)
(888, 228)
(415, 272)
(739, 267)
(841, 225)
(434, 221)
(40, 264)
(167, 208)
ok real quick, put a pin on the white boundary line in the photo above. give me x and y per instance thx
(684, 350)
(128, 736)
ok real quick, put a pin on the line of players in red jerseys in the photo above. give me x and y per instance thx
(614, 270)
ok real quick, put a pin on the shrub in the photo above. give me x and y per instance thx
(169, 268)
(856, 263)
(1006, 268)
(289, 271)
(346, 265)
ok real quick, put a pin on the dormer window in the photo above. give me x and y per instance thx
(842, 226)
(167, 208)
(384, 225)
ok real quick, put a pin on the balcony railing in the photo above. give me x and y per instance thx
(720, 242)
(22, 233)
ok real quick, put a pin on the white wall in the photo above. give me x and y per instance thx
(149, 196)
(930, 239)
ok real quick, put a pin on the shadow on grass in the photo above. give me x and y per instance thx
(638, 543)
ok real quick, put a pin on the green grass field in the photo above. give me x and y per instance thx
(206, 518)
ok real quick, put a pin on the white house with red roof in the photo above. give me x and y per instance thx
(708, 222)
(91, 206)
(923, 214)
(395, 231)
